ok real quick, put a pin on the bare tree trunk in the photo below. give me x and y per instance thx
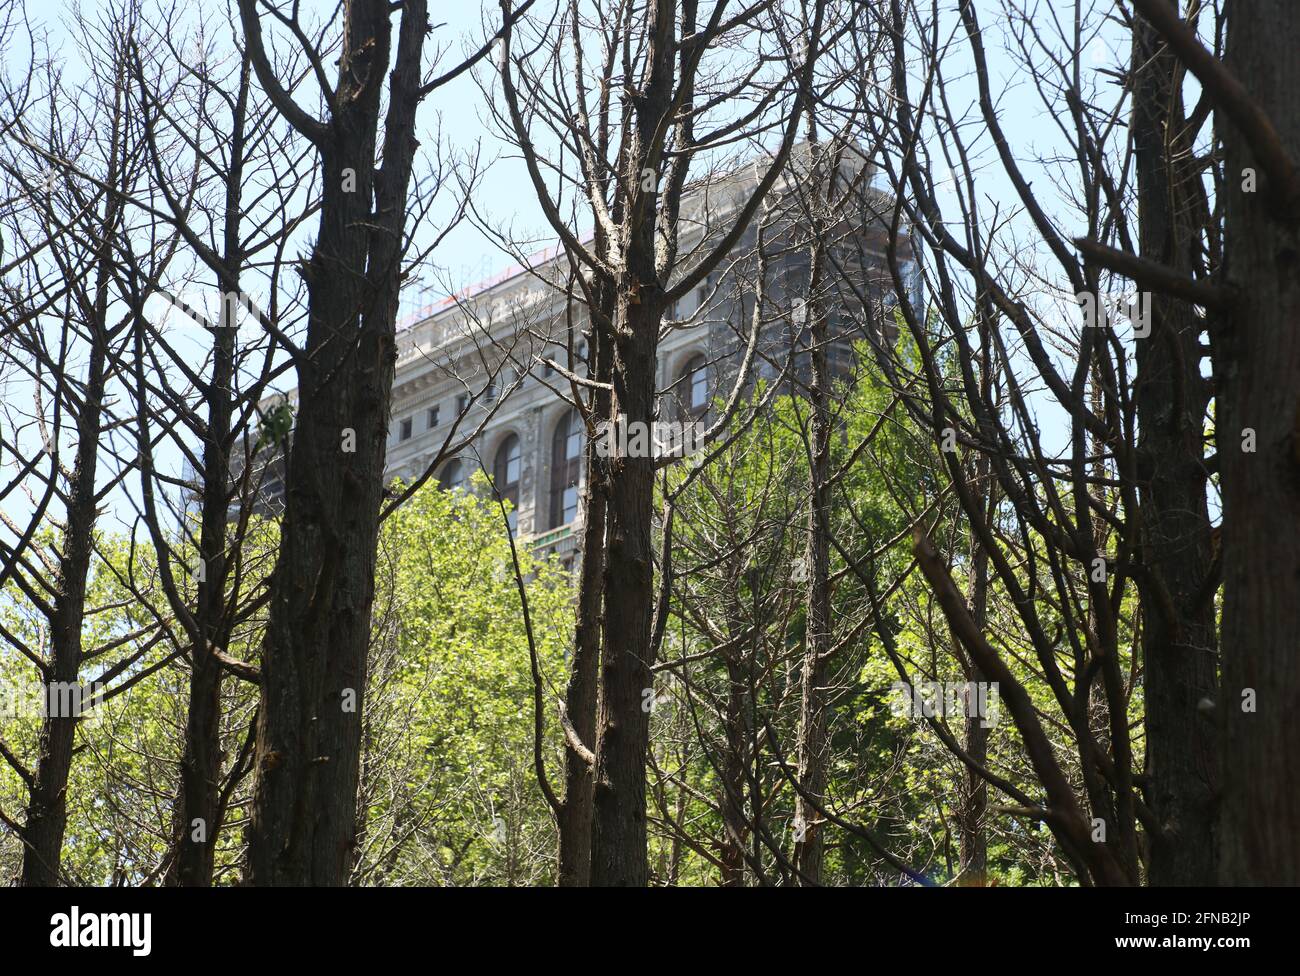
(811, 746)
(1257, 372)
(973, 839)
(197, 813)
(736, 732)
(623, 726)
(647, 178)
(574, 819)
(732, 775)
(580, 698)
(47, 811)
(1179, 636)
(303, 828)
(618, 837)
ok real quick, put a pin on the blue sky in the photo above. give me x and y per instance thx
(456, 118)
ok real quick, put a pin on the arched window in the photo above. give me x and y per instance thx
(566, 469)
(453, 475)
(693, 388)
(505, 475)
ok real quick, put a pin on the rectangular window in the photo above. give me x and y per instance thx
(406, 429)
(462, 403)
(433, 417)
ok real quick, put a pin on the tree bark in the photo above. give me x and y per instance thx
(811, 746)
(973, 839)
(197, 816)
(574, 819)
(731, 799)
(618, 837)
(314, 656)
(1257, 371)
(47, 811)
(1179, 633)
(623, 726)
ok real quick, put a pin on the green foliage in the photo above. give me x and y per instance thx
(451, 702)
(448, 784)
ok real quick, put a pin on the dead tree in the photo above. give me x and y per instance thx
(658, 107)
(1255, 352)
(313, 669)
(76, 174)
(200, 380)
(1179, 630)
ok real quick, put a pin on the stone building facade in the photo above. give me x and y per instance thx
(473, 385)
